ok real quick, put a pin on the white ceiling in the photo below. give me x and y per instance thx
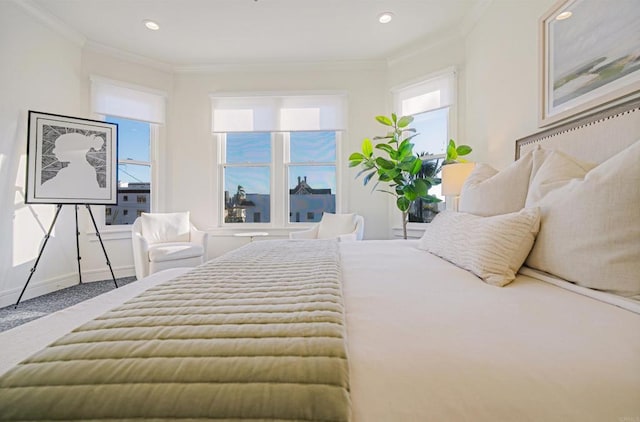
(210, 32)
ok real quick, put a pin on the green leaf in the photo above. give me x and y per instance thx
(463, 150)
(356, 156)
(405, 149)
(405, 121)
(388, 149)
(452, 154)
(403, 203)
(430, 199)
(422, 188)
(367, 147)
(394, 117)
(368, 177)
(384, 163)
(408, 162)
(377, 138)
(384, 120)
(417, 166)
(364, 170)
(410, 192)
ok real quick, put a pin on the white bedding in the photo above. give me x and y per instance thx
(428, 341)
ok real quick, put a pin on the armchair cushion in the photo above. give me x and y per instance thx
(333, 225)
(166, 227)
(174, 250)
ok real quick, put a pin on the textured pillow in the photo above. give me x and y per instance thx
(333, 225)
(488, 191)
(493, 248)
(166, 227)
(590, 231)
(557, 170)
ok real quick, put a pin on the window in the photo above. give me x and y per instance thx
(312, 174)
(247, 177)
(138, 111)
(278, 156)
(432, 103)
(134, 168)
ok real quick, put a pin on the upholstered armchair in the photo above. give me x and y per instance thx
(166, 240)
(344, 227)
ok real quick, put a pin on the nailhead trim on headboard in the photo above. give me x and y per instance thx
(632, 106)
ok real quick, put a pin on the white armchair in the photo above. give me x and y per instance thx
(166, 240)
(344, 227)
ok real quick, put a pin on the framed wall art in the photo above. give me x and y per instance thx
(590, 55)
(71, 160)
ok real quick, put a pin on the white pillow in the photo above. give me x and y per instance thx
(333, 225)
(590, 231)
(166, 227)
(488, 191)
(557, 170)
(493, 248)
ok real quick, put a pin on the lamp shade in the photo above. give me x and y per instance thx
(453, 177)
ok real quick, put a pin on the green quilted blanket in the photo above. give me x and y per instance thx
(255, 335)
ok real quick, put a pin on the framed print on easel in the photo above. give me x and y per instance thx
(71, 160)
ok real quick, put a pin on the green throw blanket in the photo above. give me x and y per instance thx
(255, 335)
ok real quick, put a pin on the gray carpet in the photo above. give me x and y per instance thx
(43, 305)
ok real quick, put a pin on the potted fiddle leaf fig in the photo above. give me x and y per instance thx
(393, 162)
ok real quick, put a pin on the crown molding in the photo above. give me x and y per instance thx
(52, 22)
(284, 66)
(117, 53)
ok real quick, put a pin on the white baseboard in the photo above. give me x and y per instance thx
(41, 287)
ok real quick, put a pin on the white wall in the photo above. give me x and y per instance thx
(192, 171)
(502, 79)
(40, 71)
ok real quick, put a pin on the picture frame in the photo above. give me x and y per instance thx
(71, 160)
(589, 56)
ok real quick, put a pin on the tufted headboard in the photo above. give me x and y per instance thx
(593, 138)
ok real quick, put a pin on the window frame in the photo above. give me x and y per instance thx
(154, 136)
(288, 163)
(222, 165)
(279, 183)
(400, 92)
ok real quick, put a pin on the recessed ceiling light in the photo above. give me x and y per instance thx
(564, 15)
(151, 24)
(385, 17)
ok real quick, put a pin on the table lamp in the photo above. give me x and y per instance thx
(453, 177)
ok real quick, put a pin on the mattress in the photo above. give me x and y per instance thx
(428, 341)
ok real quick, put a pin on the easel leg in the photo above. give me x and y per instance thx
(95, 226)
(78, 245)
(46, 239)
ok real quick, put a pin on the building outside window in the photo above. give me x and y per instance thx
(278, 157)
(432, 103)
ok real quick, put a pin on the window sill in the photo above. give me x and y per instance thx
(414, 231)
(111, 233)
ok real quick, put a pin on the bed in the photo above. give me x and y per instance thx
(421, 338)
